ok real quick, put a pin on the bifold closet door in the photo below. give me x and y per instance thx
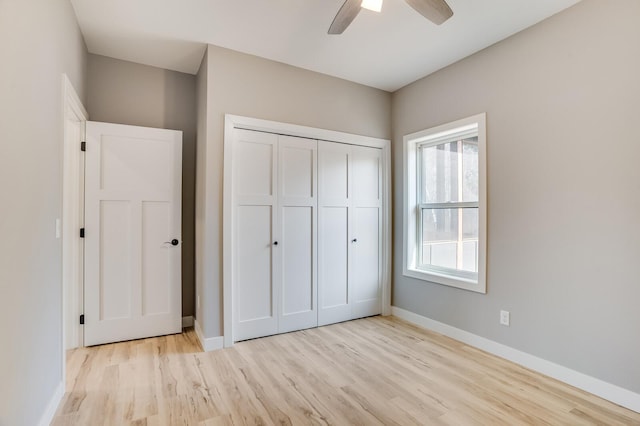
(255, 198)
(349, 232)
(275, 234)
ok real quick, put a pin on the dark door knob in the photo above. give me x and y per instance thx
(355, 240)
(275, 243)
(174, 242)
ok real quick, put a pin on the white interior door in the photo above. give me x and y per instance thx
(334, 232)
(132, 215)
(255, 247)
(367, 231)
(297, 216)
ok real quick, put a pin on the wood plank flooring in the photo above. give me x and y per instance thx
(375, 371)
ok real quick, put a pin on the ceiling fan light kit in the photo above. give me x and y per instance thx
(437, 11)
(375, 5)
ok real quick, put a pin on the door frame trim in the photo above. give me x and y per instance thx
(72, 219)
(232, 122)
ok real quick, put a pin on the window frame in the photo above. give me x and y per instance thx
(413, 208)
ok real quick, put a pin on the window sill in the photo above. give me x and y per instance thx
(448, 280)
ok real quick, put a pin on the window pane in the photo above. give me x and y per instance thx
(439, 225)
(470, 169)
(470, 223)
(443, 255)
(449, 172)
(470, 256)
(439, 171)
(440, 237)
(450, 238)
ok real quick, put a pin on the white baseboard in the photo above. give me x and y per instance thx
(187, 321)
(608, 391)
(208, 343)
(52, 406)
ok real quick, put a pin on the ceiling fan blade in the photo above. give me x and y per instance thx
(437, 11)
(345, 16)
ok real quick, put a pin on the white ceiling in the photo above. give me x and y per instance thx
(387, 50)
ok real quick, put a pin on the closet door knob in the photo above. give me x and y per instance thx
(355, 240)
(275, 243)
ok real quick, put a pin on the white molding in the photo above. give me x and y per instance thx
(72, 207)
(72, 215)
(187, 321)
(208, 343)
(227, 235)
(605, 390)
(248, 123)
(72, 99)
(387, 211)
(232, 122)
(52, 406)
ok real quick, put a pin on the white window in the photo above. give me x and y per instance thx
(445, 204)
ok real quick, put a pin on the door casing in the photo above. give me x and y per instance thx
(75, 117)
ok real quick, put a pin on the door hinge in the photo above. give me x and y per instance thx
(81, 232)
(82, 319)
(83, 146)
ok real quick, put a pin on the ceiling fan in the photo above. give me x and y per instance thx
(437, 11)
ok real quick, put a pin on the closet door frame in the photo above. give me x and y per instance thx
(239, 122)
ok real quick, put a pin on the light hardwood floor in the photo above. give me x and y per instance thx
(365, 372)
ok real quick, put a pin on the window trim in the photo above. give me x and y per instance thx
(411, 144)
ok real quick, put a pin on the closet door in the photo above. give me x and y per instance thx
(297, 217)
(349, 232)
(366, 249)
(255, 249)
(334, 242)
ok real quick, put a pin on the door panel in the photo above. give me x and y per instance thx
(366, 263)
(254, 276)
(298, 167)
(156, 275)
(132, 207)
(256, 294)
(334, 281)
(298, 227)
(367, 189)
(125, 163)
(115, 273)
(335, 255)
(334, 172)
(297, 283)
(367, 224)
(255, 168)
(297, 258)
(255, 301)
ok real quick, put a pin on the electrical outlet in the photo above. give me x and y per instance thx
(198, 301)
(504, 318)
(58, 228)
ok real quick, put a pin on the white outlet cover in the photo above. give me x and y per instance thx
(58, 228)
(504, 317)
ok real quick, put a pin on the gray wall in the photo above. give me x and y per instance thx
(127, 93)
(562, 101)
(39, 40)
(247, 85)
